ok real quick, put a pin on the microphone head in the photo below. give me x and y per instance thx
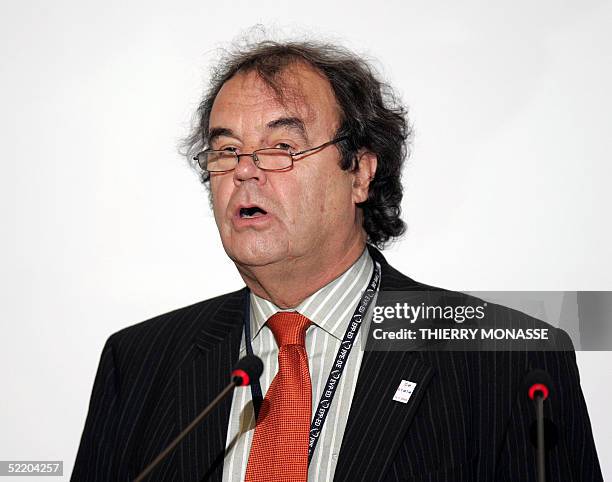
(538, 381)
(247, 369)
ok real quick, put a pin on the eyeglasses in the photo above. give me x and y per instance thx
(267, 159)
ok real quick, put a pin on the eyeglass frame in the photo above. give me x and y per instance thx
(256, 161)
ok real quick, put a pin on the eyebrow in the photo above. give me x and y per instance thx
(218, 132)
(291, 123)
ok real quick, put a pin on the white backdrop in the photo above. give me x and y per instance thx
(104, 225)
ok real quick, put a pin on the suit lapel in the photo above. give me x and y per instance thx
(202, 377)
(376, 423)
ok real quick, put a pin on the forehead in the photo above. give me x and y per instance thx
(246, 102)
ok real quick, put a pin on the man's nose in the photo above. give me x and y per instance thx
(246, 170)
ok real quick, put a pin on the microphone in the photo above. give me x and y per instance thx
(538, 386)
(538, 383)
(247, 369)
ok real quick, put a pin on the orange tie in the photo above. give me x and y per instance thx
(279, 451)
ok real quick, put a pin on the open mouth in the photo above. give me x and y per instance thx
(251, 212)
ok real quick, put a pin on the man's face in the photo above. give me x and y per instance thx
(309, 209)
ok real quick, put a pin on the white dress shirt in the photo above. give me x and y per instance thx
(330, 310)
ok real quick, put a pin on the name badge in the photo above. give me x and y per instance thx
(404, 391)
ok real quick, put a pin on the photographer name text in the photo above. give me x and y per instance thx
(461, 334)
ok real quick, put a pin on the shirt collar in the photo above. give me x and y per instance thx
(329, 307)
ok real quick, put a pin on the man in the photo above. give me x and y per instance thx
(302, 147)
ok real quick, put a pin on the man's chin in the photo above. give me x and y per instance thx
(254, 257)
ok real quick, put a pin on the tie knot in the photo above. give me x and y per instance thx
(289, 328)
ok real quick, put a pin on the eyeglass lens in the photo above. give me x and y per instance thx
(219, 161)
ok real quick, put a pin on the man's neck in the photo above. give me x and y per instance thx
(288, 284)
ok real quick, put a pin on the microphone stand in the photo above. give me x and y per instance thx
(539, 404)
(226, 391)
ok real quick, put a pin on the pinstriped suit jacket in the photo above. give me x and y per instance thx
(465, 420)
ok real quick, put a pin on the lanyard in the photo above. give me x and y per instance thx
(333, 379)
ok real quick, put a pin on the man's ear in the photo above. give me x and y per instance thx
(363, 174)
